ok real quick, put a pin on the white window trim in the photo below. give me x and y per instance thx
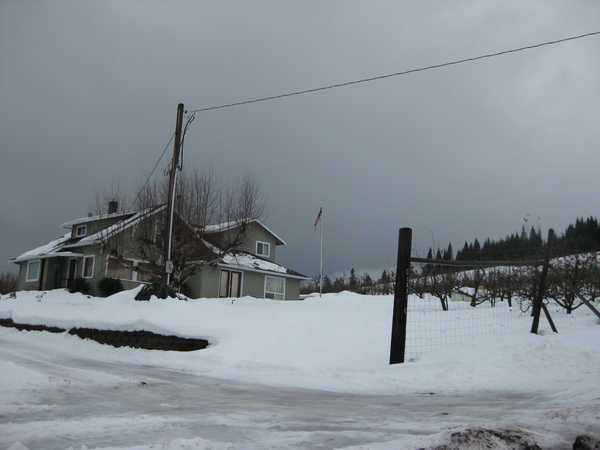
(266, 245)
(83, 266)
(275, 294)
(37, 277)
(83, 229)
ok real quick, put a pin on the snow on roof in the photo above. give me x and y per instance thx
(94, 218)
(116, 227)
(220, 227)
(44, 250)
(247, 261)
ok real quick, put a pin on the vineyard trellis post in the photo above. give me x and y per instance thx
(398, 344)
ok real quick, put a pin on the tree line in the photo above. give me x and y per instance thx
(582, 236)
(361, 284)
(578, 263)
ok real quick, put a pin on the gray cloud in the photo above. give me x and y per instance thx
(88, 94)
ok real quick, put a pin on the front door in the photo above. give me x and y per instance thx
(230, 284)
(71, 272)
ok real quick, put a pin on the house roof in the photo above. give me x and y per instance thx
(59, 246)
(130, 220)
(219, 228)
(94, 218)
(252, 263)
(46, 251)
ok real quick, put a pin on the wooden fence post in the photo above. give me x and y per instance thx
(398, 344)
(539, 298)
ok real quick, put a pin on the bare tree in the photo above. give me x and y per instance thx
(204, 208)
(473, 279)
(581, 272)
(8, 282)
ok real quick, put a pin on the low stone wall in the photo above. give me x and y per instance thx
(136, 339)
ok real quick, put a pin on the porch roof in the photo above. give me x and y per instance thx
(248, 262)
(45, 251)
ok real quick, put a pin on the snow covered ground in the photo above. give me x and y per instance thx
(299, 360)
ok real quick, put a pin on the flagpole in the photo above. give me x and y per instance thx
(321, 272)
(318, 220)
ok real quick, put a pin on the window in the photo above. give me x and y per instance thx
(275, 288)
(145, 272)
(88, 266)
(33, 270)
(116, 269)
(132, 270)
(80, 230)
(263, 249)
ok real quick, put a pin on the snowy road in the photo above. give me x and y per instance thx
(149, 405)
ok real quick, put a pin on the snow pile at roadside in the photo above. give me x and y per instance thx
(336, 343)
(339, 342)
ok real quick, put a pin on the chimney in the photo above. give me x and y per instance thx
(113, 206)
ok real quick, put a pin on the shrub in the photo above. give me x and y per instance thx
(79, 285)
(109, 286)
(159, 289)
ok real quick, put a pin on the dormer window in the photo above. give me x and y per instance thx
(263, 249)
(81, 230)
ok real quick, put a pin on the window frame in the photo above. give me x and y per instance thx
(227, 287)
(81, 230)
(133, 271)
(85, 266)
(110, 272)
(266, 245)
(29, 264)
(273, 295)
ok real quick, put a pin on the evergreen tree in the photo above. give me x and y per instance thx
(449, 254)
(352, 281)
(385, 278)
(327, 284)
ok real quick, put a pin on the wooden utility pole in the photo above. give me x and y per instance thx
(539, 298)
(398, 344)
(167, 265)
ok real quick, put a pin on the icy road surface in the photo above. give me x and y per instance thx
(147, 405)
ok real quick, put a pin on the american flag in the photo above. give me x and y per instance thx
(318, 219)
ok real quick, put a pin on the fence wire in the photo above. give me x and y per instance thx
(430, 328)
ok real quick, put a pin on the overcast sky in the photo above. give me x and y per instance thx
(89, 92)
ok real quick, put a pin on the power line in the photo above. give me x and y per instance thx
(155, 166)
(381, 77)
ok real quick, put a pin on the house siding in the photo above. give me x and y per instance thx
(292, 289)
(256, 234)
(254, 284)
(24, 285)
(204, 284)
(98, 269)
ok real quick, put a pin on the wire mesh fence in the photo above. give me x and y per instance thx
(430, 328)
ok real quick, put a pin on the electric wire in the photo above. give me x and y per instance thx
(154, 169)
(406, 72)
(192, 113)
